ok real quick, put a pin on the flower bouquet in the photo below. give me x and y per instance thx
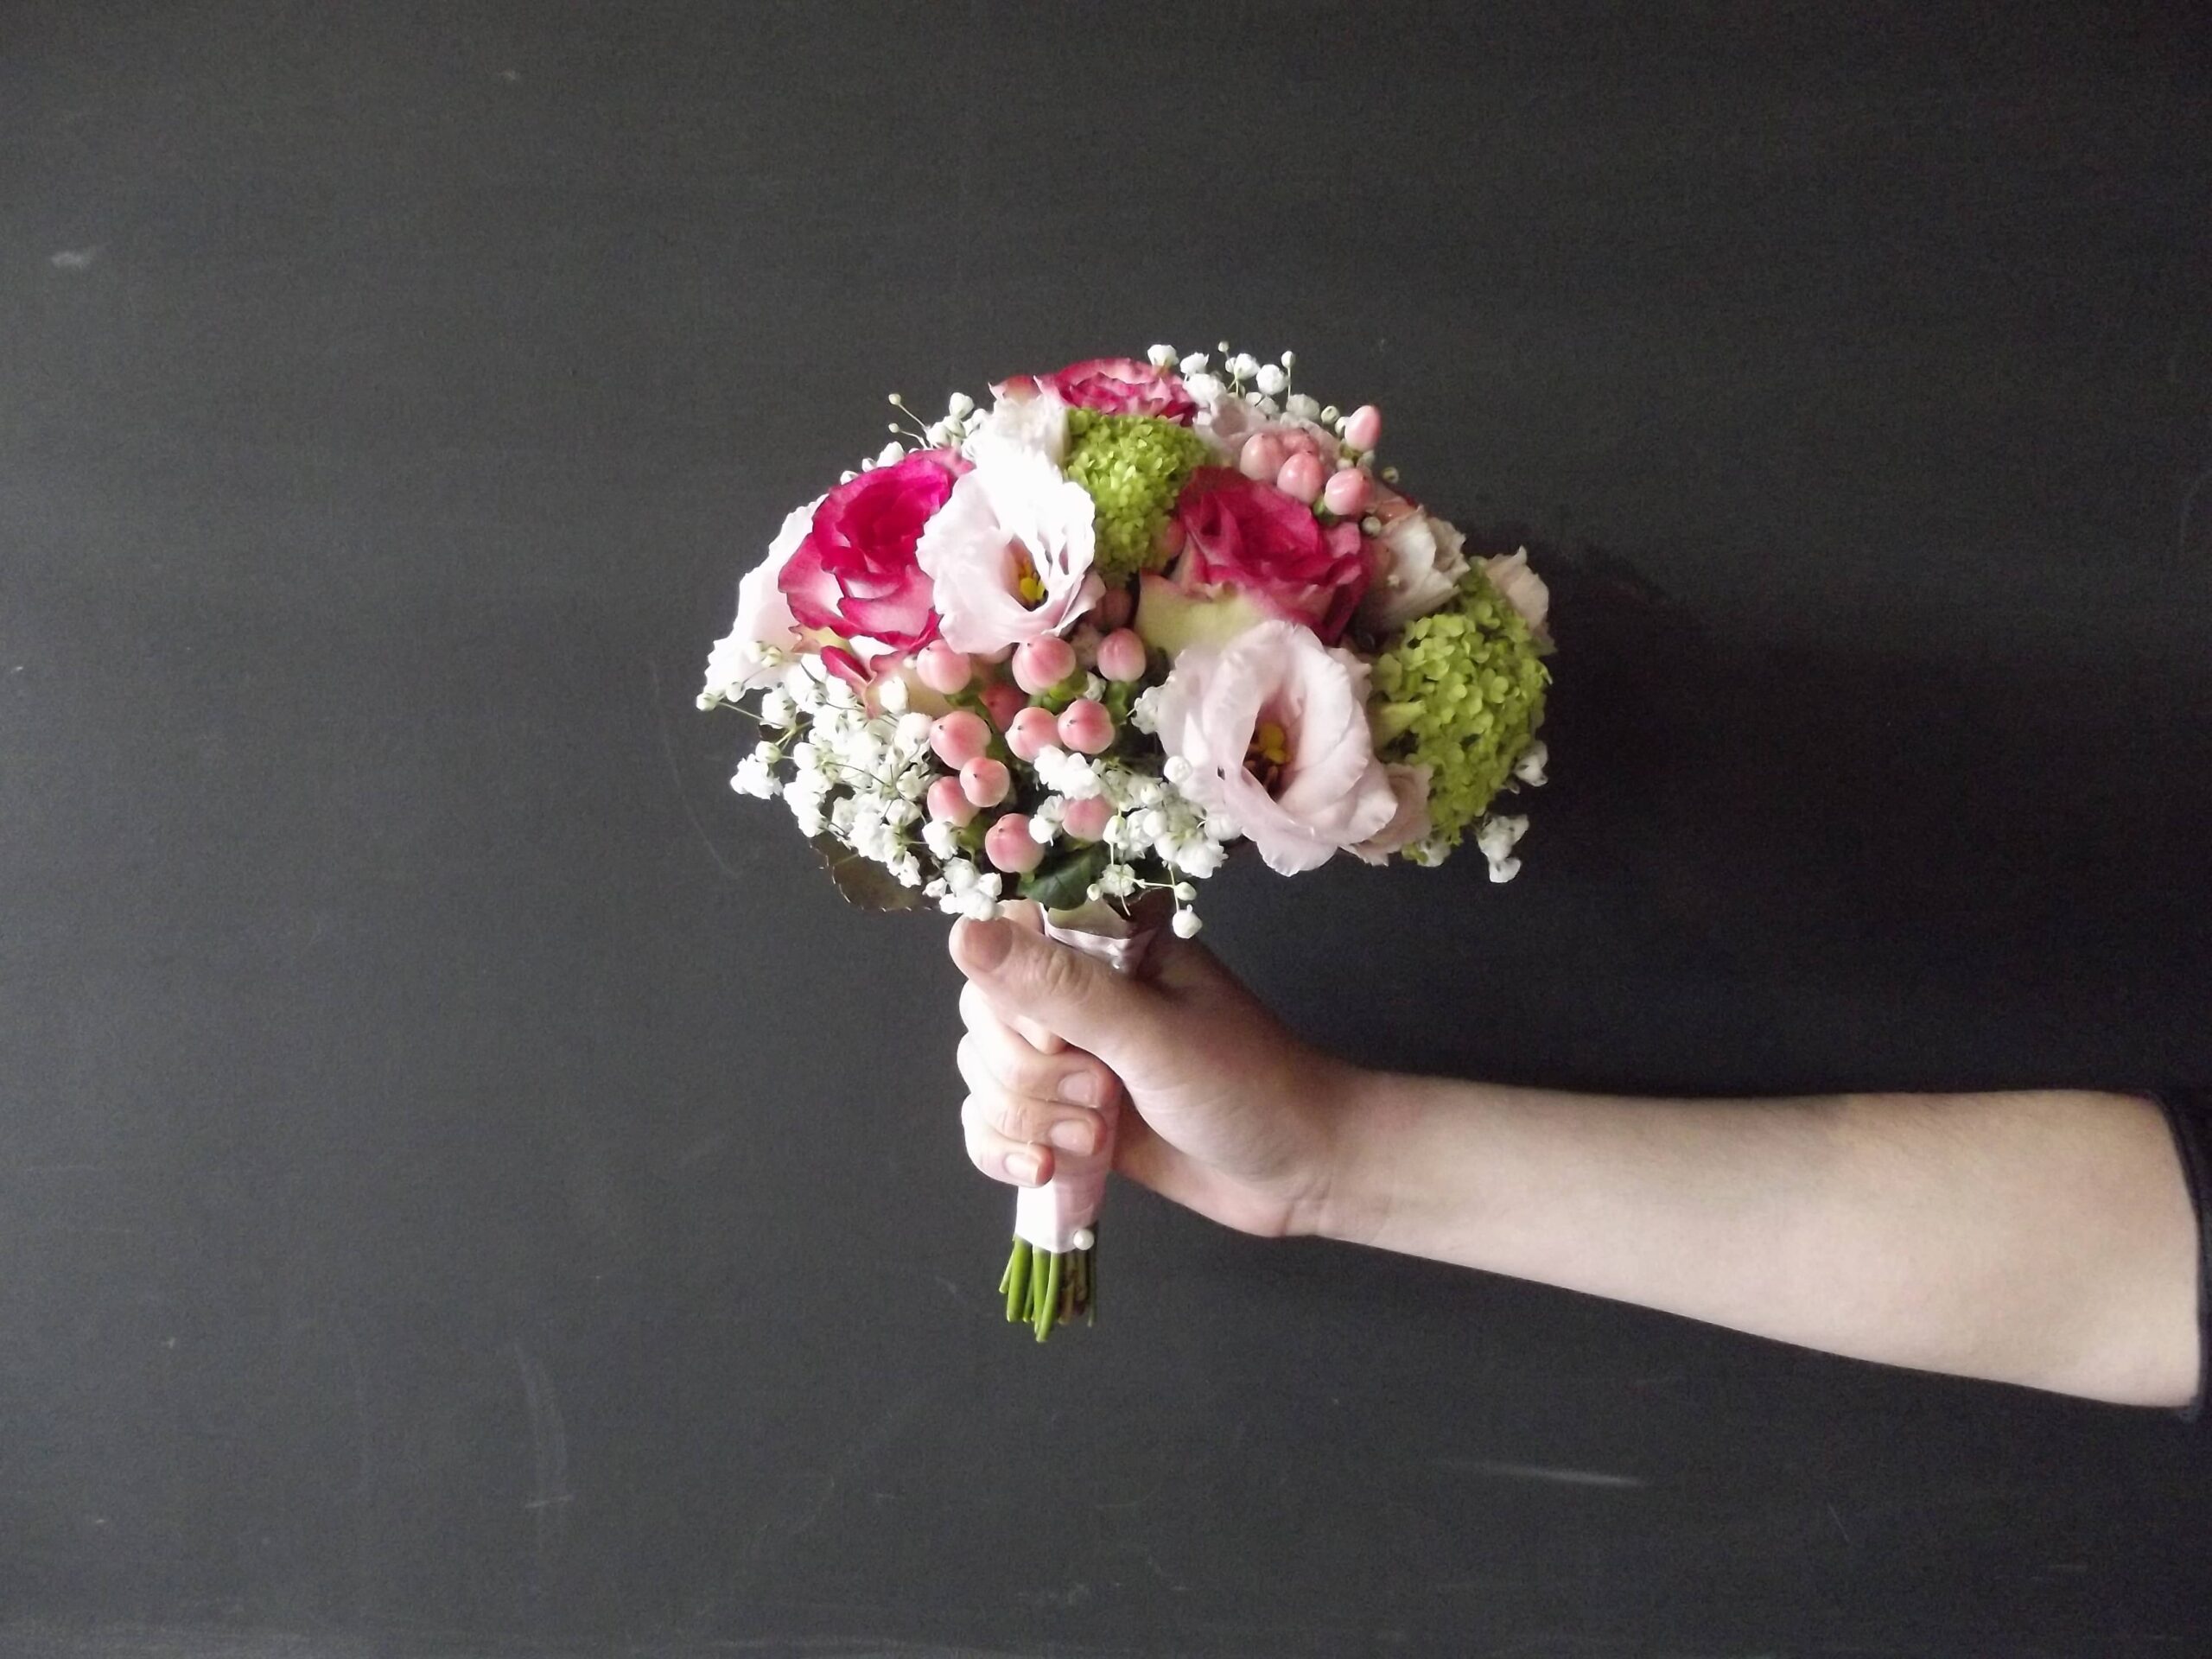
(1074, 648)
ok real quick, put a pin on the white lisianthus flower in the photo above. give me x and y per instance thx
(760, 643)
(1009, 554)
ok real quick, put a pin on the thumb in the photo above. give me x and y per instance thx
(1024, 975)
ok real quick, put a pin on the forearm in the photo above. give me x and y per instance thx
(2039, 1238)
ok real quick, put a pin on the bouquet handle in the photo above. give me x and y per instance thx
(1051, 1276)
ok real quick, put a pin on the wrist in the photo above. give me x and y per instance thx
(1372, 1119)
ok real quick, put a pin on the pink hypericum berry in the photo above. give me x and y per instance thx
(1120, 655)
(1347, 492)
(1363, 427)
(985, 781)
(959, 737)
(1041, 663)
(1086, 819)
(1086, 727)
(1261, 458)
(942, 669)
(947, 800)
(1004, 700)
(1030, 731)
(1300, 477)
(1009, 845)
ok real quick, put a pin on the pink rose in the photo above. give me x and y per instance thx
(1270, 547)
(1122, 386)
(1273, 725)
(856, 575)
(738, 663)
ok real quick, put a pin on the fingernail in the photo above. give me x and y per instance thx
(1073, 1134)
(985, 944)
(1080, 1088)
(1024, 1166)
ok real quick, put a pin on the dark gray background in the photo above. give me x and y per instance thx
(464, 1176)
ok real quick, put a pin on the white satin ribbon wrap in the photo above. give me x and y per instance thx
(1049, 1216)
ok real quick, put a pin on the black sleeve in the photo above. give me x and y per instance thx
(2189, 1115)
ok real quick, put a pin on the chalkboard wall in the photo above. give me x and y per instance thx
(466, 1184)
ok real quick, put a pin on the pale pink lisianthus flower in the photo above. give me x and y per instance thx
(1009, 554)
(1409, 823)
(1521, 588)
(763, 623)
(1274, 726)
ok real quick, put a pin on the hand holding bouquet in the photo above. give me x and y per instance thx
(1076, 648)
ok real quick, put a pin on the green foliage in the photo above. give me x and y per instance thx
(1063, 880)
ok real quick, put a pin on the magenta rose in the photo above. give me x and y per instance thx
(1122, 386)
(855, 574)
(1270, 547)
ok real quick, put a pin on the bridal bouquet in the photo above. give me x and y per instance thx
(1074, 648)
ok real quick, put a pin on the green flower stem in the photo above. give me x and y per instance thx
(1048, 1304)
(1044, 1288)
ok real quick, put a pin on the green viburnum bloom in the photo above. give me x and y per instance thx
(1134, 467)
(1462, 693)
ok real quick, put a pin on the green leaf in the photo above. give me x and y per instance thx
(1063, 883)
(862, 881)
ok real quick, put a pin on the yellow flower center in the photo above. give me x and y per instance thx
(1026, 582)
(1268, 754)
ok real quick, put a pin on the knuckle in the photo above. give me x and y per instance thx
(1031, 1073)
(968, 1056)
(1018, 1117)
(1059, 974)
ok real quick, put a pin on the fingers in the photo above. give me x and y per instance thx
(1015, 1138)
(1023, 1106)
(1024, 975)
(994, 1055)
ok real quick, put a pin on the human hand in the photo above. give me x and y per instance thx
(1229, 1113)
